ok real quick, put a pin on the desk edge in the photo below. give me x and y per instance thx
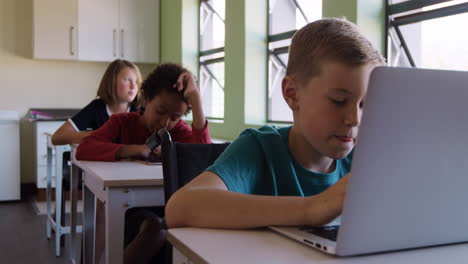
(193, 257)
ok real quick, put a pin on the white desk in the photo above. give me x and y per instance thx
(120, 185)
(264, 246)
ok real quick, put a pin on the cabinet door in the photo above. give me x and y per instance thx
(55, 29)
(98, 31)
(139, 30)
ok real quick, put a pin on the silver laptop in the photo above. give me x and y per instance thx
(409, 177)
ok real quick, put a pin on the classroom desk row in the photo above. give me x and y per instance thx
(198, 245)
(122, 185)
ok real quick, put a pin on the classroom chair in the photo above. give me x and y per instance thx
(181, 163)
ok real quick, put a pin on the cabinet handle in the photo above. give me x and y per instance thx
(114, 38)
(72, 47)
(122, 41)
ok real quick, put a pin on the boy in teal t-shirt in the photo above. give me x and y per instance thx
(266, 166)
(295, 175)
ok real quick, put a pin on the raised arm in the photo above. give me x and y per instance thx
(66, 134)
(206, 202)
(192, 94)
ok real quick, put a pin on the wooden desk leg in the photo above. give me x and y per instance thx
(117, 203)
(74, 177)
(89, 213)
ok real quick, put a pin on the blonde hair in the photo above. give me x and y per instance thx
(107, 88)
(331, 39)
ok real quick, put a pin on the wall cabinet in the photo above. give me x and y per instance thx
(54, 29)
(91, 30)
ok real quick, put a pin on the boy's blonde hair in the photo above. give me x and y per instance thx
(328, 39)
(107, 88)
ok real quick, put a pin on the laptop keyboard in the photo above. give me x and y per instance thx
(329, 232)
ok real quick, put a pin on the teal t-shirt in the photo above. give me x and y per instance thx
(259, 162)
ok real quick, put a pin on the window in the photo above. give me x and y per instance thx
(212, 13)
(285, 17)
(428, 34)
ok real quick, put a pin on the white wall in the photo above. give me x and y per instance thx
(26, 83)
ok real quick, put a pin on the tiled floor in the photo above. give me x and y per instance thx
(23, 236)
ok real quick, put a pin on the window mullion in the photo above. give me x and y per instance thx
(278, 74)
(207, 69)
(278, 60)
(412, 5)
(298, 6)
(207, 5)
(205, 21)
(431, 14)
(404, 45)
(204, 81)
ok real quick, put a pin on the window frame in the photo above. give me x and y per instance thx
(275, 53)
(201, 53)
(287, 35)
(392, 20)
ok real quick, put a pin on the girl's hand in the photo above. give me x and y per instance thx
(186, 82)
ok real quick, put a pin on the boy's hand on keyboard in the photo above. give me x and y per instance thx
(327, 205)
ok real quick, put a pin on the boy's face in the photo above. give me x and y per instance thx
(327, 109)
(164, 111)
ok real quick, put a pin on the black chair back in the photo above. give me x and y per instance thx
(184, 161)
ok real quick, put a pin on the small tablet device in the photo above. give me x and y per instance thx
(153, 141)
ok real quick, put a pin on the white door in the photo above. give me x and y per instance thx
(55, 29)
(139, 30)
(98, 30)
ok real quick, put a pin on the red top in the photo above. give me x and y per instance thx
(126, 129)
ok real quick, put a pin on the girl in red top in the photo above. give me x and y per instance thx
(169, 93)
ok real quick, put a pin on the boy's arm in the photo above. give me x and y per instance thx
(132, 151)
(66, 134)
(206, 202)
(182, 132)
(199, 120)
(102, 144)
(191, 93)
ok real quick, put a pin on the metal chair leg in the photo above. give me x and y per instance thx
(48, 190)
(58, 199)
